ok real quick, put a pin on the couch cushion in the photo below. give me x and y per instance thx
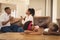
(40, 21)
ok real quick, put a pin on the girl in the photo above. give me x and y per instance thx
(29, 17)
(28, 23)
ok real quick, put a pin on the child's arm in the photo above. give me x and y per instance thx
(51, 33)
(27, 31)
(5, 22)
(40, 31)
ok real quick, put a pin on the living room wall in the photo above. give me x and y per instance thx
(39, 6)
(21, 6)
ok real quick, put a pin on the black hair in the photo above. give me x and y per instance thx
(7, 8)
(26, 25)
(32, 11)
(55, 27)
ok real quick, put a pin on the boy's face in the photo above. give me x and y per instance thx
(52, 28)
(8, 11)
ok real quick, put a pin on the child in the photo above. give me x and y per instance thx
(28, 22)
(53, 29)
(29, 16)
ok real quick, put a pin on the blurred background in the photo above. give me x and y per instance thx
(42, 7)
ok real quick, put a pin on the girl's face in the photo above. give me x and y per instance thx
(28, 12)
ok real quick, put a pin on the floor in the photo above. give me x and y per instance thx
(18, 36)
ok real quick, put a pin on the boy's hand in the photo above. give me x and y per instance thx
(11, 18)
(3, 23)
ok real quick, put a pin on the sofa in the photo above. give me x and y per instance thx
(42, 21)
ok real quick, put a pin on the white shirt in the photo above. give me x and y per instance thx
(28, 18)
(4, 17)
(46, 30)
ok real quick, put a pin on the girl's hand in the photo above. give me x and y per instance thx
(22, 18)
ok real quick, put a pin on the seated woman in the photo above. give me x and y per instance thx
(52, 30)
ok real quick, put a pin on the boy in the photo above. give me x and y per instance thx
(52, 30)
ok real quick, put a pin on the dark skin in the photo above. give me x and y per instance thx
(50, 32)
(8, 11)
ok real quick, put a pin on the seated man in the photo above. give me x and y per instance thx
(52, 30)
(5, 19)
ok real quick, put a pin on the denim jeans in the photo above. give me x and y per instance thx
(6, 29)
(20, 29)
(16, 28)
(12, 28)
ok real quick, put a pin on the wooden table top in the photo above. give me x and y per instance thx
(18, 36)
